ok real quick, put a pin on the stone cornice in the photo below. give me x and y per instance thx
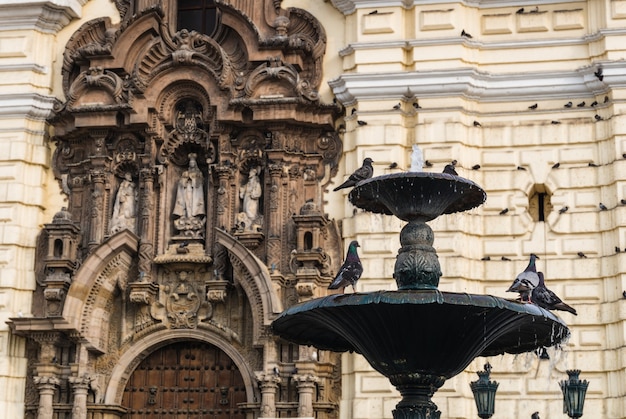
(481, 86)
(472, 43)
(348, 7)
(46, 16)
(29, 105)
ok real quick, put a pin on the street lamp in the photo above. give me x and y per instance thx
(574, 391)
(484, 393)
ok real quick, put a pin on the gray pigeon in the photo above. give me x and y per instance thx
(547, 299)
(350, 271)
(527, 280)
(364, 172)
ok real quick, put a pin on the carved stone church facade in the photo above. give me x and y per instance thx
(193, 149)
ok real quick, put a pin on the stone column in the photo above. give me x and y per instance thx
(146, 227)
(269, 388)
(306, 387)
(97, 208)
(224, 174)
(46, 386)
(274, 224)
(81, 387)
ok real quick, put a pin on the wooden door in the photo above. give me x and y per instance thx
(185, 380)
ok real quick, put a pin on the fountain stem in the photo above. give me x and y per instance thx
(417, 391)
(417, 266)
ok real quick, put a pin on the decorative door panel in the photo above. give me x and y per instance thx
(185, 380)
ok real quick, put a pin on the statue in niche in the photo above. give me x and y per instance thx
(125, 206)
(251, 193)
(189, 205)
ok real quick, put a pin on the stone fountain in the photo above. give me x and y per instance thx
(418, 336)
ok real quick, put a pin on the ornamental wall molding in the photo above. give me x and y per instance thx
(46, 16)
(478, 85)
(348, 7)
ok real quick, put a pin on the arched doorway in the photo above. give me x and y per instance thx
(185, 380)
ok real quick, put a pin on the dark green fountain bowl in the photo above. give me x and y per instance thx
(413, 196)
(420, 331)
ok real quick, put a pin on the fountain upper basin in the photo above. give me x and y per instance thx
(417, 196)
(420, 331)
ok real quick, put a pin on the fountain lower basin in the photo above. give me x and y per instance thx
(420, 331)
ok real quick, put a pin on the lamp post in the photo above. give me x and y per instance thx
(484, 393)
(574, 391)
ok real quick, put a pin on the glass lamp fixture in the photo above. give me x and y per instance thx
(574, 391)
(484, 393)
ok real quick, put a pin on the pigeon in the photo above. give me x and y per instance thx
(506, 259)
(364, 172)
(533, 106)
(581, 104)
(373, 12)
(353, 111)
(624, 294)
(504, 211)
(582, 255)
(520, 11)
(361, 123)
(465, 34)
(477, 124)
(599, 74)
(397, 106)
(555, 122)
(547, 299)
(563, 210)
(486, 258)
(476, 167)
(535, 416)
(428, 163)
(594, 103)
(598, 118)
(393, 165)
(606, 99)
(622, 201)
(568, 104)
(617, 249)
(449, 169)
(602, 207)
(416, 105)
(350, 271)
(556, 165)
(592, 164)
(521, 168)
(526, 280)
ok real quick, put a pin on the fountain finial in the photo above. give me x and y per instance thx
(417, 159)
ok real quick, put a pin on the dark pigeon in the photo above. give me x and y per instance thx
(364, 172)
(547, 299)
(526, 280)
(350, 271)
(535, 416)
(449, 169)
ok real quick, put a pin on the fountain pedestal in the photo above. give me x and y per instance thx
(419, 336)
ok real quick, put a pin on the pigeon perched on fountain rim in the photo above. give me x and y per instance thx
(526, 280)
(545, 298)
(350, 271)
(364, 172)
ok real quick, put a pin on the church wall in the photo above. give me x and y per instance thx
(410, 53)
